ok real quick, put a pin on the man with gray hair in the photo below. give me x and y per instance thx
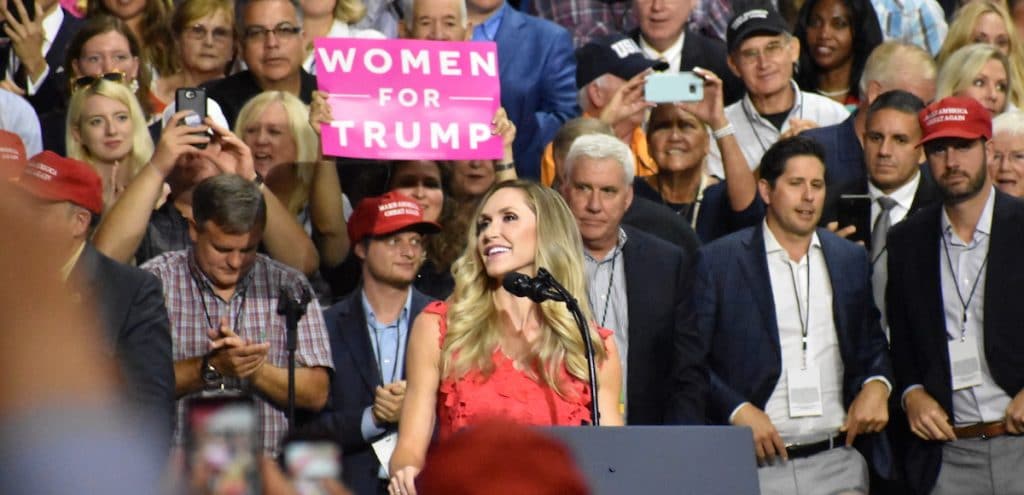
(270, 38)
(610, 73)
(437, 20)
(1006, 164)
(891, 65)
(639, 287)
(222, 296)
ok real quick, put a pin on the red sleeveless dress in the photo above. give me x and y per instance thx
(507, 393)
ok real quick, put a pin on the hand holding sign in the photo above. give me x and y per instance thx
(319, 111)
(408, 99)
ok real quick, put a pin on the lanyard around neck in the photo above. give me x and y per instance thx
(964, 304)
(803, 310)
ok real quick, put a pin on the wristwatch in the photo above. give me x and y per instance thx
(501, 167)
(208, 373)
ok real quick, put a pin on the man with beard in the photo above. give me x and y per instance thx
(954, 275)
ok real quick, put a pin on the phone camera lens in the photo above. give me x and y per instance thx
(190, 94)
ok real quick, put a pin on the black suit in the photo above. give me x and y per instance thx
(661, 221)
(707, 53)
(927, 194)
(131, 308)
(53, 91)
(667, 379)
(355, 378)
(918, 325)
(234, 91)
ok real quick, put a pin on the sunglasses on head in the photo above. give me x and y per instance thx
(91, 81)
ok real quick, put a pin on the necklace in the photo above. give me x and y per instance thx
(832, 94)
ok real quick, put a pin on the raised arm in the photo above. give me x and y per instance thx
(284, 238)
(124, 224)
(423, 361)
(326, 210)
(740, 182)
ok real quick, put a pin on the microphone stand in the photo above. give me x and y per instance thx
(293, 311)
(545, 278)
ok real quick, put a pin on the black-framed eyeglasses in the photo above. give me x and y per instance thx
(90, 81)
(281, 31)
(198, 32)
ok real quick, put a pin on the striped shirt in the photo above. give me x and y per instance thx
(193, 308)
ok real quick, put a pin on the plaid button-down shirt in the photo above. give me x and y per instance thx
(193, 308)
(587, 19)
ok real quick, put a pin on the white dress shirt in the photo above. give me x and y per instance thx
(789, 282)
(673, 55)
(904, 197)
(51, 25)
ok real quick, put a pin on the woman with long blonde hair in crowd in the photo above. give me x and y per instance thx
(286, 153)
(980, 71)
(987, 22)
(488, 353)
(106, 128)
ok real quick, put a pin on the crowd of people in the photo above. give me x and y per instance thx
(821, 249)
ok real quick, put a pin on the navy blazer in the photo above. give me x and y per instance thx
(137, 332)
(917, 320)
(736, 314)
(716, 218)
(658, 219)
(54, 90)
(356, 377)
(667, 379)
(927, 194)
(537, 69)
(844, 156)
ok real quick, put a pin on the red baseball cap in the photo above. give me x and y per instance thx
(955, 117)
(12, 154)
(387, 214)
(52, 177)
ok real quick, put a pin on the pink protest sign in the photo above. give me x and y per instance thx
(409, 99)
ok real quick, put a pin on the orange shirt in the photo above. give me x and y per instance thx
(638, 143)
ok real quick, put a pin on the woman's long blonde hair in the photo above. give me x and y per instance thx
(142, 142)
(963, 67)
(959, 36)
(473, 321)
(306, 153)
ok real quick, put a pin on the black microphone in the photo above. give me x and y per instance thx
(521, 285)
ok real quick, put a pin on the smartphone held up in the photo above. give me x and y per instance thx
(672, 87)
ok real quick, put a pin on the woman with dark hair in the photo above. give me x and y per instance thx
(150, 21)
(836, 37)
(104, 48)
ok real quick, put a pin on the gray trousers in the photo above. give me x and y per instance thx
(840, 471)
(975, 466)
